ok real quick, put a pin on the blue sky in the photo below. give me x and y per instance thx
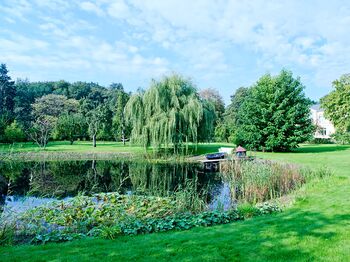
(218, 43)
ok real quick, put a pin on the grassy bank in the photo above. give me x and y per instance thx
(317, 228)
(84, 150)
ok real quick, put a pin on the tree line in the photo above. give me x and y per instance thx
(40, 111)
(273, 114)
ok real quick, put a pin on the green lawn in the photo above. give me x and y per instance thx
(81, 147)
(65, 146)
(316, 228)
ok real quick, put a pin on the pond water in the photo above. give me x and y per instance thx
(24, 185)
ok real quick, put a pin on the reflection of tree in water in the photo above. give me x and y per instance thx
(68, 178)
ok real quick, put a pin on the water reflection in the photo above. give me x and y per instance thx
(42, 181)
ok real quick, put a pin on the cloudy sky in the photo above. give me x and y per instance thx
(218, 43)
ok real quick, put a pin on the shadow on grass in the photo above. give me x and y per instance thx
(296, 236)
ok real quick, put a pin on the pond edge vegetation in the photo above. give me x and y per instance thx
(132, 215)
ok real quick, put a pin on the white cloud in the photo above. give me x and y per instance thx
(92, 7)
(118, 9)
(199, 37)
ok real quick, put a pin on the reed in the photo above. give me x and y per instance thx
(260, 181)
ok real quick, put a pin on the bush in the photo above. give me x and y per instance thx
(14, 133)
(321, 141)
(7, 233)
(342, 137)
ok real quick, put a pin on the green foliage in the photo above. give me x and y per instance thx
(41, 129)
(83, 217)
(95, 121)
(315, 228)
(7, 233)
(256, 182)
(275, 115)
(7, 93)
(227, 127)
(14, 133)
(7, 96)
(341, 137)
(54, 105)
(248, 210)
(168, 114)
(337, 104)
(56, 236)
(316, 140)
(70, 127)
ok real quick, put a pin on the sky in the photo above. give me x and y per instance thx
(220, 44)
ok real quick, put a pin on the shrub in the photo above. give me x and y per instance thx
(7, 233)
(321, 141)
(342, 137)
(14, 133)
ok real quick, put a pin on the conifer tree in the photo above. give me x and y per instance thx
(275, 115)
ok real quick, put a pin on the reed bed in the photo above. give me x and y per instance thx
(259, 181)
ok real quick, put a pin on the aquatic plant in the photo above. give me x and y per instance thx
(259, 181)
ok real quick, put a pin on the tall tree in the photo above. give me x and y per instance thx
(275, 115)
(337, 104)
(118, 102)
(54, 105)
(213, 103)
(168, 114)
(94, 118)
(214, 97)
(71, 127)
(7, 96)
(227, 126)
(46, 111)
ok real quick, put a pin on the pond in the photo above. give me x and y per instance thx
(24, 185)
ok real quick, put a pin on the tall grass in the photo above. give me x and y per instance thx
(260, 181)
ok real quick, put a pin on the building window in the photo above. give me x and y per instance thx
(323, 131)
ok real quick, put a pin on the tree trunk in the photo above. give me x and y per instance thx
(123, 136)
(94, 140)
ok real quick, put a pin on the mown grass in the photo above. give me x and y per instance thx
(315, 228)
(83, 149)
(64, 146)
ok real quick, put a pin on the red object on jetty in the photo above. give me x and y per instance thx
(241, 152)
(240, 149)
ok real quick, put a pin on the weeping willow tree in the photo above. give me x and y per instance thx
(169, 114)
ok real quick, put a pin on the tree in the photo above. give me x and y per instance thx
(7, 92)
(94, 123)
(275, 115)
(14, 133)
(46, 111)
(23, 103)
(40, 130)
(337, 107)
(213, 104)
(7, 95)
(227, 126)
(168, 114)
(215, 98)
(54, 105)
(70, 127)
(118, 102)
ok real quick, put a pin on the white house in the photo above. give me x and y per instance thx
(325, 128)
